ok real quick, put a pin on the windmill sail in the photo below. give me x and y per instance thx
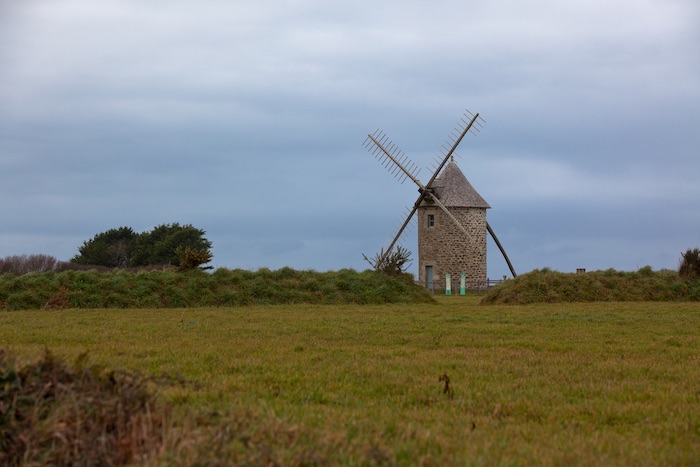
(391, 157)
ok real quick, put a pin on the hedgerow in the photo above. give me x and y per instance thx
(195, 288)
(548, 286)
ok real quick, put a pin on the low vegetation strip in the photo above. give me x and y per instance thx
(548, 286)
(196, 288)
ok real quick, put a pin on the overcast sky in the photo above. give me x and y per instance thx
(246, 119)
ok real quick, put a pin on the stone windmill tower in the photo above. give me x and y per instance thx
(452, 222)
(442, 247)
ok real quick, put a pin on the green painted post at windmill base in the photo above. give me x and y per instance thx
(462, 284)
(448, 284)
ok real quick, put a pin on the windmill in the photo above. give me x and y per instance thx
(452, 215)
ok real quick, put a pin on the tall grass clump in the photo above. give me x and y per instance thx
(548, 286)
(224, 287)
(53, 414)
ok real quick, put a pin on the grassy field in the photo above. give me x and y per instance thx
(566, 383)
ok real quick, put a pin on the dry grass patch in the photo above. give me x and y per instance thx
(52, 414)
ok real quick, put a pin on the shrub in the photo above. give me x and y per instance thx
(112, 248)
(690, 263)
(165, 244)
(24, 264)
(159, 246)
(191, 258)
(393, 262)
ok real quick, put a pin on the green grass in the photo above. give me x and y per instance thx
(547, 286)
(223, 287)
(567, 383)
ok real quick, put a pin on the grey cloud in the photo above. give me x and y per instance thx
(248, 119)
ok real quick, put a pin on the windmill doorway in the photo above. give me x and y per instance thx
(429, 278)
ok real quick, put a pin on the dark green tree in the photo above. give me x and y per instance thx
(112, 249)
(160, 245)
(122, 247)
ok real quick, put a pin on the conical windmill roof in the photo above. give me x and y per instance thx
(454, 190)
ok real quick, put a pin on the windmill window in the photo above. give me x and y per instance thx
(431, 220)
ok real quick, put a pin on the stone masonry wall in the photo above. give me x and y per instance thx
(447, 250)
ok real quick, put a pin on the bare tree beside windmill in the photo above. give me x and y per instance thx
(451, 216)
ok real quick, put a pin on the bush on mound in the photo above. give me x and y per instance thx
(690, 264)
(196, 288)
(547, 286)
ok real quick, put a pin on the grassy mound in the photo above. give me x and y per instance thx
(547, 286)
(224, 287)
